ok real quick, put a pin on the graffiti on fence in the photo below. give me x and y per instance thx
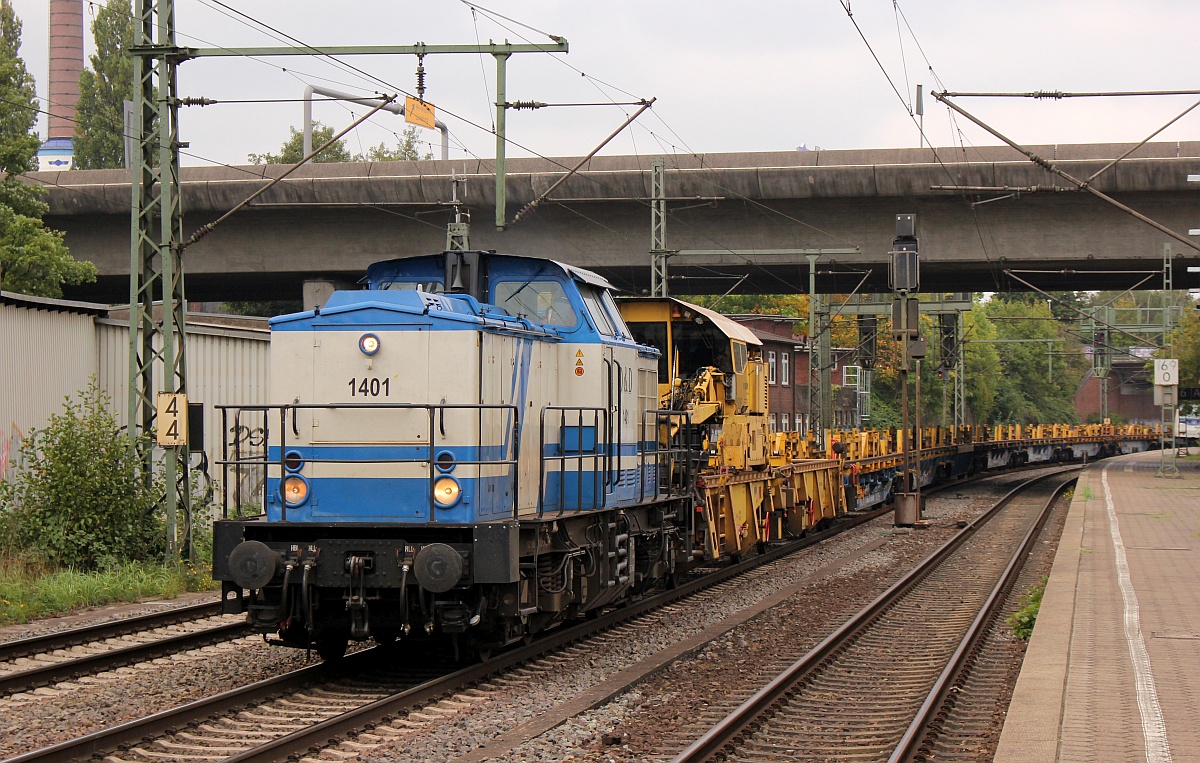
(246, 444)
(10, 450)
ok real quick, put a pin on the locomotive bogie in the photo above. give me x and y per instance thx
(499, 581)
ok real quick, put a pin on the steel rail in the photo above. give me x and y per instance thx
(736, 723)
(53, 672)
(12, 650)
(915, 733)
(107, 740)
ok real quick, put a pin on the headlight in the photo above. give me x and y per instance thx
(445, 461)
(295, 490)
(293, 461)
(369, 344)
(446, 491)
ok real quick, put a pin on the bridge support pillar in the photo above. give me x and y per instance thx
(318, 290)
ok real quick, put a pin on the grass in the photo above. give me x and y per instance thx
(29, 591)
(1023, 620)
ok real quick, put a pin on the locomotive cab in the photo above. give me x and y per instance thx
(468, 446)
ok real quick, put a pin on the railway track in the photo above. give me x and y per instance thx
(870, 690)
(313, 707)
(37, 661)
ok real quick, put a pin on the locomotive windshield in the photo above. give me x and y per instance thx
(432, 287)
(614, 313)
(541, 301)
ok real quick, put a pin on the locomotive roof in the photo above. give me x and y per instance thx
(345, 309)
(578, 273)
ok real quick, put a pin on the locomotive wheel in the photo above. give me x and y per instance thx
(332, 646)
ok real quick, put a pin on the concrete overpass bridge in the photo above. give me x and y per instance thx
(329, 221)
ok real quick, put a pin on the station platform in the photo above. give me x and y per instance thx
(1112, 672)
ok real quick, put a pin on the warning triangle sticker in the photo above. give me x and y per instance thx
(579, 362)
(579, 353)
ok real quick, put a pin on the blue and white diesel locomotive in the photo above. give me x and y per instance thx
(470, 446)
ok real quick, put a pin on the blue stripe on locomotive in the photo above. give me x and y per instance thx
(407, 499)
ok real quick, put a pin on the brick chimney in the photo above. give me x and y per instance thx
(66, 62)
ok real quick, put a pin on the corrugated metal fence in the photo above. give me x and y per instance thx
(50, 348)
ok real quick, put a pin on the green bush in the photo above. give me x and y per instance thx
(81, 501)
(1023, 620)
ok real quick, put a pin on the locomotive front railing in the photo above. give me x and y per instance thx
(238, 436)
(427, 455)
(584, 447)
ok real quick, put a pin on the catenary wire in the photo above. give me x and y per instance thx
(845, 4)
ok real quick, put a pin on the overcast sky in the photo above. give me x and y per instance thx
(747, 76)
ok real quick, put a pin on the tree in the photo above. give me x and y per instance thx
(1026, 391)
(981, 361)
(1187, 345)
(33, 259)
(292, 150)
(406, 149)
(790, 305)
(99, 126)
(265, 309)
(18, 115)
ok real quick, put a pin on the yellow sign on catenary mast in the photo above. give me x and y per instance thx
(419, 112)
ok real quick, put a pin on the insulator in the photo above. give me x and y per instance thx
(421, 78)
(196, 101)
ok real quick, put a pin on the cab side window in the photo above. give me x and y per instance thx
(600, 317)
(615, 314)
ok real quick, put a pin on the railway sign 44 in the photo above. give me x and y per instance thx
(172, 419)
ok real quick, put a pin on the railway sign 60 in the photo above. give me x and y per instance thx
(1166, 372)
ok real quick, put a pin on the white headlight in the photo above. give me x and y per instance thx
(369, 344)
(446, 491)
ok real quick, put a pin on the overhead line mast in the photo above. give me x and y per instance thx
(156, 263)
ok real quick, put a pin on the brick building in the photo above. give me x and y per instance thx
(787, 357)
(1130, 394)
